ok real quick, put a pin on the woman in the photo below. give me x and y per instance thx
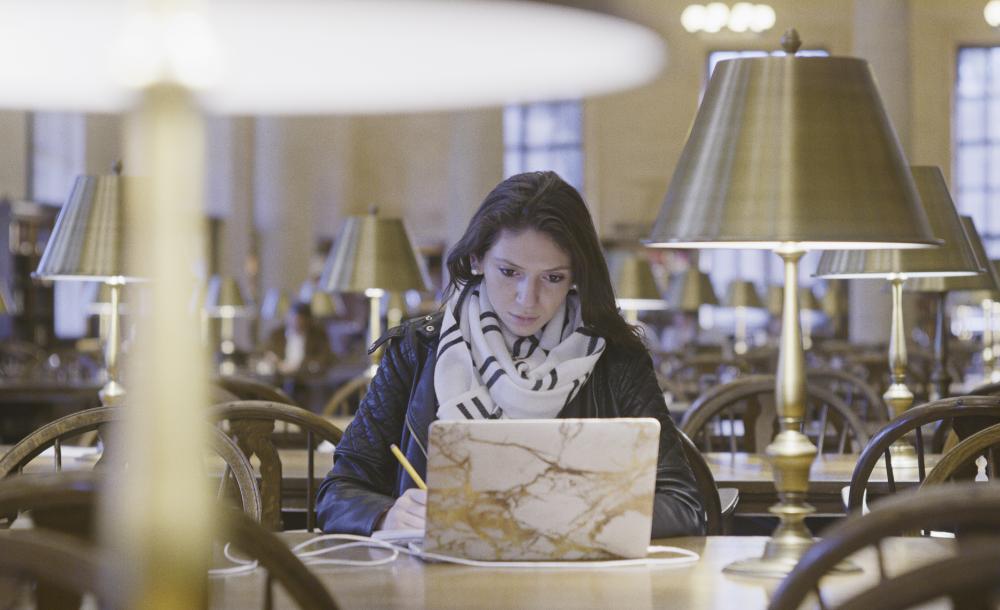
(529, 330)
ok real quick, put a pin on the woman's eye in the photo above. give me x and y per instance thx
(555, 278)
(506, 272)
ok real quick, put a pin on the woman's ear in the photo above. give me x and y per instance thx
(474, 265)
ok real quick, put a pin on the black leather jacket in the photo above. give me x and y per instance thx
(401, 404)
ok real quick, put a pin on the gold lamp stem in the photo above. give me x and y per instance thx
(988, 355)
(631, 315)
(791, 453)
(227, 332)
(374, 324)
(740, 344)
(940, 379)
(898, 396)
(113, 393)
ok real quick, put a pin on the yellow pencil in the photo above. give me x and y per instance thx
(408, 467)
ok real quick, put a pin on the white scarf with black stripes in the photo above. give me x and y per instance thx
(484, 371)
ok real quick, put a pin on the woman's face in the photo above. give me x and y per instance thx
(527, 277)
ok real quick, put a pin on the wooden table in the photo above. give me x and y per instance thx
(752, 475)
(410, 583)
(747, 472)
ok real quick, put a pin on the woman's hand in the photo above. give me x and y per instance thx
(407, 512)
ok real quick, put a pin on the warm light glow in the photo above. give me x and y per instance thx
(742, 17)
(178, 48)
(781, 246)
(992, 13)
(641, 304)
(317, 56)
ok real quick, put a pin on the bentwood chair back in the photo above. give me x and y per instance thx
(861, 396)
(62, 567)
(968, 414)
(251, 423)
(719, 503)
(246, 388)
(961, 461)
(740, 416)
(347, 397)
(971, 510)
(78, 491)
(55, 433)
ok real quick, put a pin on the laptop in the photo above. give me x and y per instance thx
(555, 489)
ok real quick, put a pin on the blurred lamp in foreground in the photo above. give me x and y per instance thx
(634, 284)
(225, 300)
(87, 244)
(991, 12)
(984, 288)
(741, 296)
(372, 255)
(791, 154)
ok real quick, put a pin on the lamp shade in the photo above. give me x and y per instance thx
(988, 280)
(953, 257)
(689, 290)
(347, 56)
(742, 293)
(373, 252)
(225, 298)
(633, 280)
(791, 150)
(275, 305)
(87, 241)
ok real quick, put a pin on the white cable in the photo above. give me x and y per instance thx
(310, 557)
(683, 557)
(244, 566)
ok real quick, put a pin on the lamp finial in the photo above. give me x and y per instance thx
(790, 41)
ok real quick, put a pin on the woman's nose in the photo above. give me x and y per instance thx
(527, 292)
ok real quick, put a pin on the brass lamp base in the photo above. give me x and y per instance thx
(785, 547)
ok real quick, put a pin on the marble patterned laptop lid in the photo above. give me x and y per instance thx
(556, 489)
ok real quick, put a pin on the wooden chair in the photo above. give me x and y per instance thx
(960, 461)
(346, 399)
(972, 511)
(855, 391)
(720, 504)
(78, 490)
(61, 565)
(246, 388)
(252, 423)
(55, 433)
(740, 416)
(968, 414)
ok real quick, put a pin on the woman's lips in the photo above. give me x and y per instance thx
(523, 319)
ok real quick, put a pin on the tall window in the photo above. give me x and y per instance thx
(545, 136)
(977, 141)
(759, 266)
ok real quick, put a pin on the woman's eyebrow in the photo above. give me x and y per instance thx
(513, 264)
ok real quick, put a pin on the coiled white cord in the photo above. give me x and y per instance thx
(682, 557)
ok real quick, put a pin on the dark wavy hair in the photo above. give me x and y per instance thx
(548, 204)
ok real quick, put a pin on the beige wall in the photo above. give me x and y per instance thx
(433, 169)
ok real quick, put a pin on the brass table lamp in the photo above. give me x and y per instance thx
(226, 300)
(87, 244)
(954, 258)
(687, 291)
(773, 162)
(634, 284)
(373, 255)
(985, 287)
(274, 305)
(742, 295)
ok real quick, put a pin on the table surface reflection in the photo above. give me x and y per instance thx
(410, 583)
